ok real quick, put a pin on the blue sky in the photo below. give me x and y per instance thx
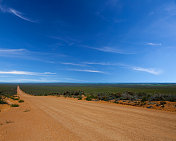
(108, 41)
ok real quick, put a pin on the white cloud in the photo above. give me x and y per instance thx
(148, 70)
(25, 73)
(154, 44)
(14, 12)
(111, 50)
(85, 70)
(11, 51)
(73, 64)
(29, 80)
(19, 14)
(108, 49)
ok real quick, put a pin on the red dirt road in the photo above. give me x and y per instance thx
(49, 118)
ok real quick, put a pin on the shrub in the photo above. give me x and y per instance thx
(162, 102)
(2, 100)
(116, 101)
(20, 101)
(88, 98)
(80, 97)
(14, 105)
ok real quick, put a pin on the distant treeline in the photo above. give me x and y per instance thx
(106, 92)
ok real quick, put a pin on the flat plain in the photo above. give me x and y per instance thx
(51, 118)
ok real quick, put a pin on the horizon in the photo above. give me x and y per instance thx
(107, 41)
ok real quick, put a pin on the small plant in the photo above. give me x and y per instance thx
(2, 101)
(14, 105)
(79, 97)
(15, 98)
(88, 98)
(21, 101)
(116, 101)
(162, 102)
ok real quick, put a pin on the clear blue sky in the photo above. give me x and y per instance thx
(88, 41)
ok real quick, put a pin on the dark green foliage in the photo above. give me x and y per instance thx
(80, 97)
(2, 101)
(15, 98)
(89, 98)
(106, 92)
(6, 90)
(20, 101)
(14, 105)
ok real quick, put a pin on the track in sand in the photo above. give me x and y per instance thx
(49, 118)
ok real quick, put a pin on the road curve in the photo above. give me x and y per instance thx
(49, 118)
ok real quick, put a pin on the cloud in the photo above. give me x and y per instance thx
(73, 64)
(20, 15)
(11, 51)
(85, 70)
(148, 70)
(29, 80)
(15, 12)
(108, 49)
(154, 44)
(14, 72)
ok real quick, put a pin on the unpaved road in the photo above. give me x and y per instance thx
(47, 118)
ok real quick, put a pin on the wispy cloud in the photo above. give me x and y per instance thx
(108, 49)
(40, 80)
(73, 64)
(11, 51)
(130, 67)
(85, 70)
(20, 15)
(14, 72)
(154, 44)
(148, 70)
(15, 12)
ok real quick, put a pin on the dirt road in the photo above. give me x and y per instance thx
(48, 118)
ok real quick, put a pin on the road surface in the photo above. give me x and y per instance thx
(49, 118)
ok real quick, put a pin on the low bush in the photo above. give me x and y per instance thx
(20, 101)
(79, 97)
(14, 105)
(88, 98)
(2, 101)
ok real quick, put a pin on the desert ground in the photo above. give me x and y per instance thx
(50, 118)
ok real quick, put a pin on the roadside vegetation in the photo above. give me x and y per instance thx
(106, 92)
(9, 91)
(6, 91)
(157, 96)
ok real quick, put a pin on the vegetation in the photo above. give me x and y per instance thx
(6, 90)
(20, 101)
(14, 105)
(106, 92)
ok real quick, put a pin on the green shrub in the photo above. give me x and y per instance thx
(14, 105)
(20, 101)
(2, 101)
(88, 98)
(80, 97)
